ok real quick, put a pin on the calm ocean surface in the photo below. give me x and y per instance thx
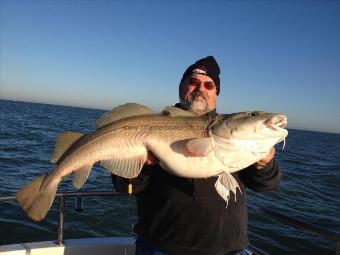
(309, 190)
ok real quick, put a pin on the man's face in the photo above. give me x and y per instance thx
(197, 93)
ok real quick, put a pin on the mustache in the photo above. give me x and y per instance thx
(197, 94)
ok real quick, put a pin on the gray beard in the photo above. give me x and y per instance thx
(199, 107)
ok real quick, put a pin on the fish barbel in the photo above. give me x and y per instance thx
(186, 145)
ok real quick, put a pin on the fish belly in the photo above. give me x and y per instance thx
(175, 158)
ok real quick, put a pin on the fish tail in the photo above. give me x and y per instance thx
(36, 200)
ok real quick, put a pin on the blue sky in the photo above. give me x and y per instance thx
(277, 56)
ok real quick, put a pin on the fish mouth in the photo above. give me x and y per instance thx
(278, 122)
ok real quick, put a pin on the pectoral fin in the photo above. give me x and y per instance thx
(226, 183)
(125, 167)
(200, 146)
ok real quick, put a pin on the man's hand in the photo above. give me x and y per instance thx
(263, 162)
(151, 159)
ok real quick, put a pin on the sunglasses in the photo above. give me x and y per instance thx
(208, 85)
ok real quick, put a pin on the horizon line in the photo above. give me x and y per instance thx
(102, 109)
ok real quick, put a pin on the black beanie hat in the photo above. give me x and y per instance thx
(207, 66)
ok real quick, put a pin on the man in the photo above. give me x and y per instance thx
(182, 216)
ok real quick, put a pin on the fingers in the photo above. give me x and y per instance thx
(151, 159)
(263, 162)
(270, 155)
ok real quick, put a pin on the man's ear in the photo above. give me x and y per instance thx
(181, 90)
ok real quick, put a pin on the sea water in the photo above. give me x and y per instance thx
(309, 191)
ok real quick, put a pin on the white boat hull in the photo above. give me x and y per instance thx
(85, 246)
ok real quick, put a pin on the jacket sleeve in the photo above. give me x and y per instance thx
(263, 180)
(138, 184)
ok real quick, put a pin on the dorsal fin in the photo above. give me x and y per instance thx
(173, 111)
(64, 141)
(122, 112)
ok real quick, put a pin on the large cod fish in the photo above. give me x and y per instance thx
(185, 144)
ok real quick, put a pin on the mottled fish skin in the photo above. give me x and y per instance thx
(192, 147)
(121, 139)
(129, 135)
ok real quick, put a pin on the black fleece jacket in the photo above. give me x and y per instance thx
(186, 216)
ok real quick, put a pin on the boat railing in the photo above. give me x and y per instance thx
(278, 216)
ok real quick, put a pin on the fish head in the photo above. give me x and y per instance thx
(257, 126)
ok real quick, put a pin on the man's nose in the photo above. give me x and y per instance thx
(200, 87)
